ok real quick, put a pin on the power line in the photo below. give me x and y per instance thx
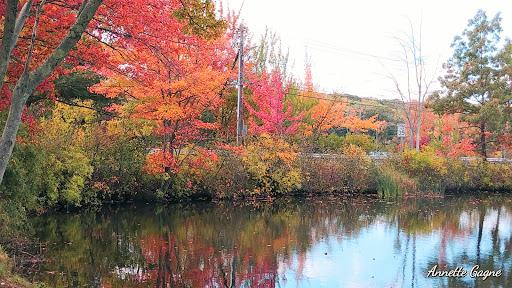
(329, 46)
(343, 51)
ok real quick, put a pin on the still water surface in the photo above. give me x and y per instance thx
(318, 242)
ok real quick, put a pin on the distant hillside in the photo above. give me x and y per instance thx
(388, 110)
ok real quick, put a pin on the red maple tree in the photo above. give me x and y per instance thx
(271, 113)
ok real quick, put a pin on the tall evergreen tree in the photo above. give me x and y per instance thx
(477, 83)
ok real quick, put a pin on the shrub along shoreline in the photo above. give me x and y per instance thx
(274, 173)
(264, 170)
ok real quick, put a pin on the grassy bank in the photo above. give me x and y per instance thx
(7, 278)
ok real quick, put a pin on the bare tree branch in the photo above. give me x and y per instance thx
(33, 38)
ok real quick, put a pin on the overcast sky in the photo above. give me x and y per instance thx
(351, 43)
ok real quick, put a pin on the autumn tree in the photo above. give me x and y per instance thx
(308, 77)
(271, 114)
(303, 97)
(38, 65)
(170, 74)
(327, 114)
(451, 142)
(428, 117)
(333, 112)
(477, 83)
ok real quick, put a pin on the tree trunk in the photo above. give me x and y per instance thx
(420, 104)
(418, 128)
(8, 36)
(482, 139)
(411, 136)
(12, 30)
(19, 97)
(29, 81)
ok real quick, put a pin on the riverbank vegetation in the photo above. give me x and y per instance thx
(146, 110)
(133, 117)
(7, 278)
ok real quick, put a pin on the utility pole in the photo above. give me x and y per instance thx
(239, 122)
(377, 139)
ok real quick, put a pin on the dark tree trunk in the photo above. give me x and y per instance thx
(482, 139)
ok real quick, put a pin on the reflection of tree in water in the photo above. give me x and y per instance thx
(89, 238)
(191, 244)
(226, 245)
(493, 257)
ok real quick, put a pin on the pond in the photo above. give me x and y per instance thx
(337, 241)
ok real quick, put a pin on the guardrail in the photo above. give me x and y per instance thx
(372, 155)
(384, 155)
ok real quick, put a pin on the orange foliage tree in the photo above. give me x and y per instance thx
(170, 70)
(426, 127)
(354, 123)
(326, 115)
(335, 113)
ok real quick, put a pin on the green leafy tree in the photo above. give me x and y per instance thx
(476, 84)
(268, 54)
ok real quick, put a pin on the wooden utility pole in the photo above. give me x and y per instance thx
(239, 122)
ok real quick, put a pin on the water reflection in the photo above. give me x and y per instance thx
(329, 242)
